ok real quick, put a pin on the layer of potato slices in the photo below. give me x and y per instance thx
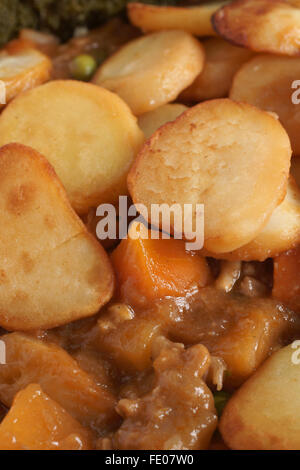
(194, 20)
(52, 271)
(263, 413)
(221, 154)
(266, 82)
(222, 61)
(261, 25)
(152, 70)
(87, 133)
(30, 360)
(281, 233)
(36, 422)
(150, 122)
(23, 70)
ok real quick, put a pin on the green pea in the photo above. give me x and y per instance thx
(221, 398)
(83, 67)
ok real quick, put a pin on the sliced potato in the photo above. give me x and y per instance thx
(266, 82)
(87, 133)
(263, 413)
(152, 70)
(24, 70)
(222, 60)
(52, 270)
(194, 20)
(261, 25)
(150, 122)
(36, 422)
(231, 157)
(29, 360)
(281, 233)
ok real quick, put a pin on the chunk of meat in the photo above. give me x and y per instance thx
(286, 287)
(179, 413)
(242, 331)
(126, 339)
(36, 422)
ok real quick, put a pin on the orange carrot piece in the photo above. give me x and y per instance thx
(149, 269)
(36, 422)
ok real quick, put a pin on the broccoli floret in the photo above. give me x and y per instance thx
(58, 16)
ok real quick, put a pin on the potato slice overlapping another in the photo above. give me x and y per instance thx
(24, 70)
(281, 233)
(52, 270)
(194, 20)
(261, 25)
(151, 71)
(231, 157)
(87, 133)
(150, 122)
(222, 61)
(266, 81)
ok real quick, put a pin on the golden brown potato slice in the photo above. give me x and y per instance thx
(23, 71)
(36, 422)
(152, 70)
(52, 271)
(231, 157)
(261, 25)
(194, 20)
(150, 122)
(263, 413)
(266, 82)
(29, 360)
(87, 133)
(222, 60)
(281, 233)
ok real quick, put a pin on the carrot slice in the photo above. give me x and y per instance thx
(149, 269)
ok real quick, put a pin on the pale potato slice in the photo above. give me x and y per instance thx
(222, 60)
(150, 122)
(52, 270)
(264, 413)
(266, 82)
(23, 71)
(231, 157)
(261, 25)
(29, 360)
(281, 233)
(194, 20)
(36, 422)
(87, 133)
(152, 70)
